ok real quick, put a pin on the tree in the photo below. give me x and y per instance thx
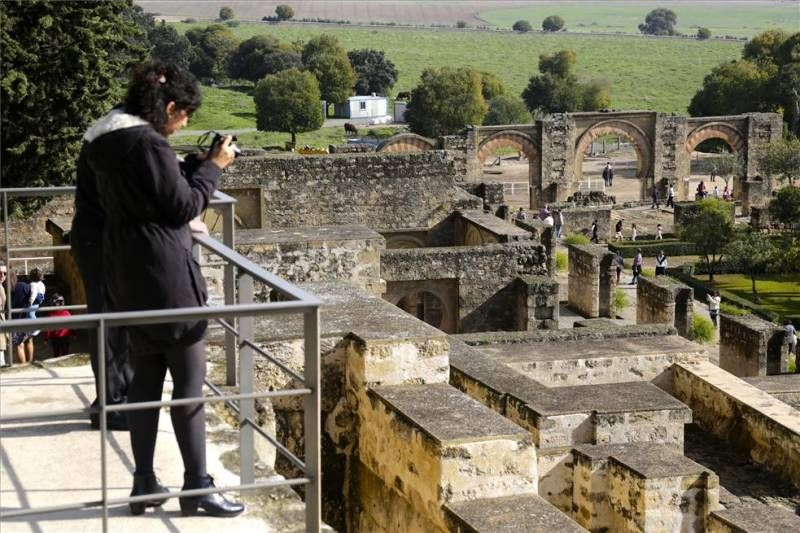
(751, 253)
(284, 12)
(703, 34)
(558, 64)
(763, 48)
(169, 45)
(288, 101)
(557, 90)
(729, 165)
(733, 88)
(327, 60)
(522, 26)
(261, 55)
(782, 159)
(461, 24)
(445, 101)
(785, 206)
(710, 228)
(553, 23)
(63, 66)
(595, 96)
(211, 47)
(659, 21)
(491, 85)
(507, 109)
(374, 73)
(225, 13)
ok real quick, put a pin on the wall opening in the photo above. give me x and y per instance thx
(618, 151)
(426, 306)
(511, 158)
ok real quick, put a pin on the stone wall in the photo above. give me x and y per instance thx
(474, 228)
(755, 193)
(380, 191)
(742, 415)
(486, 298)
(684, 211)
(591, 281)
(751, 346)
(662, 300)
(579, 220)
(537, 303)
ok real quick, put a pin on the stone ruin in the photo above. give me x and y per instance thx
(453, 398)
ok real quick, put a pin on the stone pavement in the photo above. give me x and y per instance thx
(57, 462)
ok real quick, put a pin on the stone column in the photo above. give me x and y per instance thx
(607, 306)
(584, 280)
(662, 300)
(537, 303)
(750, 346)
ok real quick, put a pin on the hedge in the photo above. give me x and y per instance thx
(651, 248)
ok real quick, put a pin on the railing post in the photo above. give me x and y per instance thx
(101, 400)
(229, 289)
(311, 415)
(247, 410)
(8, 266)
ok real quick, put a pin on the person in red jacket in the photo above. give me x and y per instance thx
(58, 338)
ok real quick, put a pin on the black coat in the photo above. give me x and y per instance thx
(146, 201)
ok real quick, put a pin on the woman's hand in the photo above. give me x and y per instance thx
(222, 154)
(198, 226)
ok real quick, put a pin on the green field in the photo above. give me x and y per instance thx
(740, 20)
(656, 74)
(779, 293)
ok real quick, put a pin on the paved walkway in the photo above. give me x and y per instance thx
(57, 462)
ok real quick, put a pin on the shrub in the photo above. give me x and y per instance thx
(791, 367)
(702, 330)
(648, 273)
(226, 13)
(521, 26)
(733, 310)
(562, 261)
(620, 299)
(703, 34)
(284, 12)
(190, 20)
(553, 23)
(461, 24)
(576, 238)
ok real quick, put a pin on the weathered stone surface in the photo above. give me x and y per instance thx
(751, 346)
(753, 519)
(526, 514)
(578, 219)
(663, 300)
(785, 388)
(743, 415)
(591, 283)
(474, 228)
(558, 335)
(537, 303)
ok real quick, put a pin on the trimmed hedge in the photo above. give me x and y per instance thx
(650, 248)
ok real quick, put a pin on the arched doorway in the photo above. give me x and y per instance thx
(426, 306)
(716, 154)
(624, 147)
(407, 142)
(511, 157)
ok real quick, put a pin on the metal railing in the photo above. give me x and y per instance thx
(237, 317)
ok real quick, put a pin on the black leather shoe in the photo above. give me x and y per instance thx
(146, 484)
(212, 504)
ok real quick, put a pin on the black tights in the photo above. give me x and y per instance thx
(188, 369)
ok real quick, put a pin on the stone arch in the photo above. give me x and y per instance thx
(716, 130)
(407, 142)
(404, 241)
(512, 138)
(641, 142)
(431, 293)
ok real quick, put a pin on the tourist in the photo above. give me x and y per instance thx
(549, 221)
(714, 300)
(701, 191)
(791, 340)
(37, 294)
(58, 338)
(607, 174)
(620, 263)
(659, 233)
(654, 196)
(594, 231)
(3, 336)
(22, 341)
(714, 173)
(715, 192)
(521, 216)
(671, 196)
(610, 175)
(544, 212)
(637, 266)
(559, 223)
(661, 263)
(618, 231)
(726, 194)
(151, 204)
(634, 232)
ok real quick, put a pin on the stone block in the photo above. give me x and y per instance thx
(785, 387)
(663, 300)
(751, 346)
(525, 514)
(753, 518)
(537, 303)
(591, 281)
(475, 227)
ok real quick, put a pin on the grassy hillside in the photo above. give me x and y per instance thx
(743, 19)
(658, 74)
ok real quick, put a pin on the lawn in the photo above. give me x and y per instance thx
(742, 19)
(655, 74)
(779, 293)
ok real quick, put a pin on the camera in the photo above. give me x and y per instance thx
(219, 138)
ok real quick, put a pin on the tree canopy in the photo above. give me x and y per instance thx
(557, 89)
(785, 206)
(169, 46)
(284, 12)
(660, 21)
(553, 23)
(63, 66)
(558, 64)
(751, 253)
(261, 55)
(327, 60)
(710, 228)
(522, 26)
(445, 101)
(226, 13)
(374, 73)
(491, 85)
(507, 109)
(782, 159)
(288, 101)
(703, 34)
(211, 47)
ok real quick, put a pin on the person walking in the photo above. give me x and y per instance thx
(3, 336)
(637, 266)
(521, 215)
(610, 175)
(594, 232)
(654, 196)
(149, 204)
(791, 340)
(661, 263)
(620, 263)
(559, 218)
(714, 301)
(618, 231)
(634, 232)
(659, 232)
(671, 196)
(21, 341)
(607, 174)
(715, 193)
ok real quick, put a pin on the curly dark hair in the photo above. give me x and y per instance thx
(155, 84)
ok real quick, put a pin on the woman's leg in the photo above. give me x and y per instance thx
(188, 369)
(29, 350)
(147, 385)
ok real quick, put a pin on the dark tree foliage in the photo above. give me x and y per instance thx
(763, 48)
(785, 206)
(703, 34)
(211, 47)
(507, 109)
(63, 65)
(261, 55)
(226, 13)
(659, 21)
(445, 101)
(284, 12)
(558, 64)
(557, 89)
(374, 73)
(522, 26)
(553, 23)
(169, 46)
(491, 85)
(327, 60)
(288, 101)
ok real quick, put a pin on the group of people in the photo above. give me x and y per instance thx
(702, 192)
(619, 237)
(27, 295)
(552, 219)
(638, 265)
